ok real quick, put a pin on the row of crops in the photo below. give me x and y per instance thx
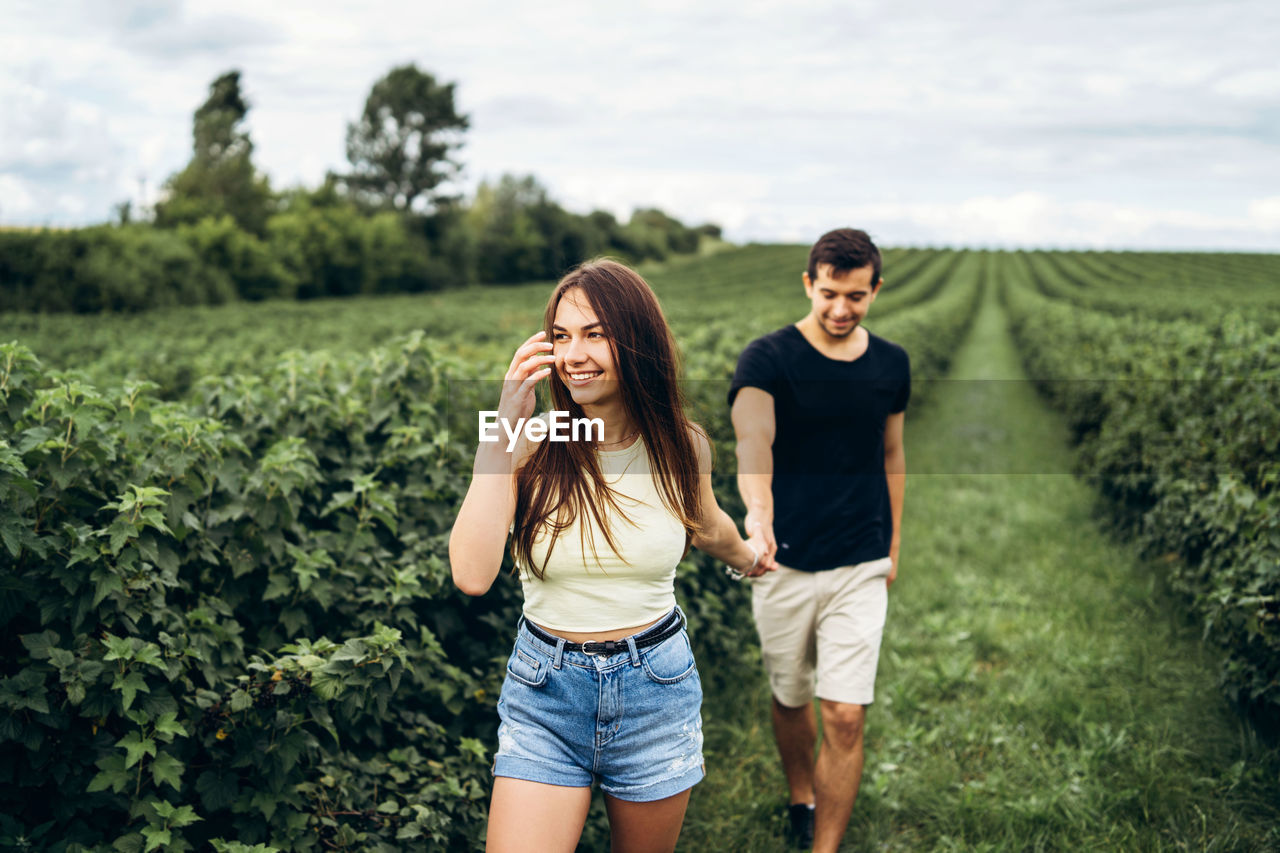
(226, 604)
(224, 592)
(1167, 368)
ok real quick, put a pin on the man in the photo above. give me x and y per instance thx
(818, 409)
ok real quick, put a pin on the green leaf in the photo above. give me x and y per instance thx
(11, 533)
(265, 802)
(167, 768)
(131, 843)
(217, 791)
(184, 816)
(111, 775)
(118, 648)
(167, 724)
(240, 700)
(156, 837)
(136, 746)
(38, 644)
(155, 519)
(107, 584)
(120, 531)
(129, 684)
(149, 654)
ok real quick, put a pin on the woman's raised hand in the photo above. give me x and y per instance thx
(531, 363)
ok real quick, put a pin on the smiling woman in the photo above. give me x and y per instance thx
(598, 528)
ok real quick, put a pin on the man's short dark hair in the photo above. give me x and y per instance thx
(845, 249)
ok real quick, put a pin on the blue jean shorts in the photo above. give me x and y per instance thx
(630, 721)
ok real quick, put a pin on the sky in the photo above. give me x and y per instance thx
(1079, 124)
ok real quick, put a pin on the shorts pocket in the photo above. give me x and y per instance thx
(527, 669)
(669, 661)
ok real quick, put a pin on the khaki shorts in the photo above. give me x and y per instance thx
(830, 622)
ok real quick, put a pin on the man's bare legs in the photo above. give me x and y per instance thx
(796, 732)
(832, 782)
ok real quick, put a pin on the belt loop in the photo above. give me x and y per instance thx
(559, 653)
(635, 653)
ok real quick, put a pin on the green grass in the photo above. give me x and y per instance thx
(1036, 691)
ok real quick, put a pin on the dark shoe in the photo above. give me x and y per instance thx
(800, 826)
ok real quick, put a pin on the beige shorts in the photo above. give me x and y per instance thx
(829, 622)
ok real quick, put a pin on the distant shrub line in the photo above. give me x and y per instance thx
(319, 245)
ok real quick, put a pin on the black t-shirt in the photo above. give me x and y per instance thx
(830, 495)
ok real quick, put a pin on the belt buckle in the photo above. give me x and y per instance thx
(610, 647)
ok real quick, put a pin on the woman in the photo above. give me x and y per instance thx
(601, 685)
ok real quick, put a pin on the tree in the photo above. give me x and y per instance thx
(399, 149)
(220, 180)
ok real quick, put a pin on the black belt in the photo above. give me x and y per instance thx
(665, 629)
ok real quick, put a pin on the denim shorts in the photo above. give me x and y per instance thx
(630, 721)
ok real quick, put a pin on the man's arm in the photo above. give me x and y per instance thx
(895, 471)
(754, 426)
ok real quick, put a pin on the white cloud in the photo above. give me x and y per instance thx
(774, 118)
(17, 201)
(1265, 214)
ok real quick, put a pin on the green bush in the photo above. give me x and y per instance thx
(125, 269)
(1179, 423)
(208, 608)
(245, 259)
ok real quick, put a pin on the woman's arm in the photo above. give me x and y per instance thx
(479, 534)
(718, 535)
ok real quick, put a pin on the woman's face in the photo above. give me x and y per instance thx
(584, 356)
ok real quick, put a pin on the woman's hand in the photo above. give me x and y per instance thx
(530, 364)
(479, 534)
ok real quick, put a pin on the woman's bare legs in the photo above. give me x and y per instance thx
(526, 816)
(646, 827)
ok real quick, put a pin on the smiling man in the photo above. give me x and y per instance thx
(818, 410)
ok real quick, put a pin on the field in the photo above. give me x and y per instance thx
(228, 620)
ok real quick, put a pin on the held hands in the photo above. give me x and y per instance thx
(759, 543)
(760, 530)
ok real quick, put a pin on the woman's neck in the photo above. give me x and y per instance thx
(619, 431)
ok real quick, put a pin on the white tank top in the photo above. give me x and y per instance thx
(600, 591)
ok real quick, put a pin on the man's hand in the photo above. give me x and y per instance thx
(760, 533)
(893, 570)
(760, 546)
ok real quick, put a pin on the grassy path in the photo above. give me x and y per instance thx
(1035, 692)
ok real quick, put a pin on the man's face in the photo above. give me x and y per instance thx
(840, 302)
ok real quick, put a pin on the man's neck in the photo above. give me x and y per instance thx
(849, 348)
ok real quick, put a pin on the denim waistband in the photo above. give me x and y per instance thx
(626, 645)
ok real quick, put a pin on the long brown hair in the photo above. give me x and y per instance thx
(561, 481)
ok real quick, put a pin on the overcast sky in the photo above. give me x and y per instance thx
(999, 123)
